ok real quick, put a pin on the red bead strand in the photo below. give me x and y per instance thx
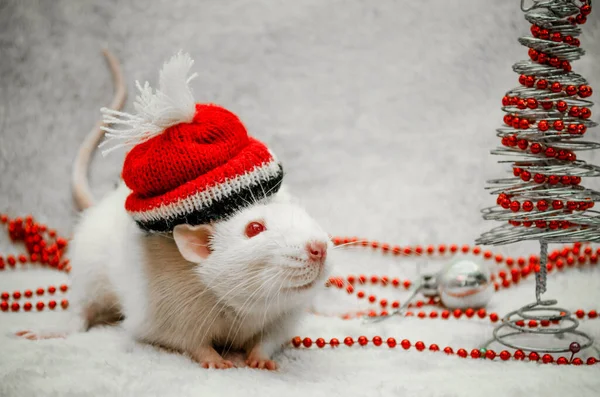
(43, 247)
(477, 354)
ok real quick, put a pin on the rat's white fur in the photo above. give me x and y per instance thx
(244, 295)
(106, 242)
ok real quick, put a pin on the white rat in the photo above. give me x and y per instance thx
(238, 283)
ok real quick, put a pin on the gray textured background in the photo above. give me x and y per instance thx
(383, 112)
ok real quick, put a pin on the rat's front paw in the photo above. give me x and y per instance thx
(219, 364)
(207, 357)
(261, 363)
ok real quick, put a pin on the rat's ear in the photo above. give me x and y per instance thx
(193, 241)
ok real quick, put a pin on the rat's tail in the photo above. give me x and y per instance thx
(79, 179)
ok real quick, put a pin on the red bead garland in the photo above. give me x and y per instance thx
(43, 247)
(557, 260)
(420, 346)
(525, 267)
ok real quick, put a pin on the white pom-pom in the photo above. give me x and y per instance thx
(171, 104)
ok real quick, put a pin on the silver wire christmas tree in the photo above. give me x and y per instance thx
(547, 117)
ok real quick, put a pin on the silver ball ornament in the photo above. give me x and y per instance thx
(464, 284)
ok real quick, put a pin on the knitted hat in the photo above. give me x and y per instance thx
(190, 163)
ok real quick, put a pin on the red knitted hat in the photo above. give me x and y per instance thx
(190, 163)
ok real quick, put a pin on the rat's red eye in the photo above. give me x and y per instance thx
(254, 228)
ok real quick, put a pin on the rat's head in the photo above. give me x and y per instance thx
(273, 252)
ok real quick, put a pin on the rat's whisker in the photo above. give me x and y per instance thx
(278, 184)
(247, 310)
(262, 189)
(265, 311)
(171, 314)
(236, 287)
(267, 301)
(402, 252)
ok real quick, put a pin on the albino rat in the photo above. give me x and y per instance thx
(237, 283)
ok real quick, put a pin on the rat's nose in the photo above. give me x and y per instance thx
(317, 250)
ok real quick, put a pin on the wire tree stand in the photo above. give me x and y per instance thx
(545, 125)
(559, 322)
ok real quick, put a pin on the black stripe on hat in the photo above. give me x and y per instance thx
(221, 210)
